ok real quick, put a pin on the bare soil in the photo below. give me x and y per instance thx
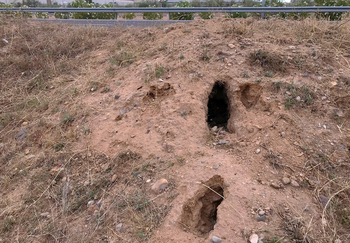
(91, 118)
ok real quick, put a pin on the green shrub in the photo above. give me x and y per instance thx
(42, 15)
(206, 15)
(152, 16)
(105, 15)
(182, 16)
(61, 15)
(87, 15)
(331, 16)
(128, 16)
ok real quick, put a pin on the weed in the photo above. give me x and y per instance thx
(67, 119)
(181, 57)
(111, 72)
(298, 95)
(8, 224)
(205, 55)
(245, 74)
(268, 74)
(129, 16)
(277, 85)
(123, 59)
(186, 31)
(181, 160)
(58, 146)
(159, 71)
(268, 61)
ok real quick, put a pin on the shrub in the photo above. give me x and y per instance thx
(60, 15)
(152, 16)
(42, 15)
(331, 16)
(83, 4)
(182, 16)
(129, 16)
(105, 15)
(206, 15)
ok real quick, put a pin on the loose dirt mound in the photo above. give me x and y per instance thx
(247, 120)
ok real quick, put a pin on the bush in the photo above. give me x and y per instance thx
(182, 16)
(331, 16)
(61, 15)
(206, 15)
(42, 15)
(128, 16)
(152, 16)
(84, 4)
(237, 14)
(105, 15)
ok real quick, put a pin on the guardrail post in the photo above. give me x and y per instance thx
(263, 5)
(116, 15)
(67, 15)
(169, 15)
(230, 14)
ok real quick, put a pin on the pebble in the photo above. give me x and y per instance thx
(294, 183)
(46, 214)
(231, 46)
(216, 239)
(283, 134)
(261, 218)
(275, 185)
(22, 135)
(136, 105)
(223, 142)
(114, 178)
(257, 151)
(148, 181)
(305, 75)
(254, 238)
(90, 203)
(261, 213)
(24, 123)
(215, 167)
(323, 200)
(116, 97)
(122, 112)
(214, 129)
(120, 228)
(160, 186)
(298, 98)
(285, 180)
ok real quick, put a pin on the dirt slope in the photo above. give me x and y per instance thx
(92, 118)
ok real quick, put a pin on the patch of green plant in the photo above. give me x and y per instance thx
(182, 15)
(205, 55)
(181, 57)
(206, 15)
(268, 61)
(8, 224)
(245, 74)
(159, 71)
(129, 16)
(181, 160)
(123, 59)
(334, 15)
(58, 146)
(152, 16)
(298, 95)
(67, 119)
(277, 85)
(268, 74)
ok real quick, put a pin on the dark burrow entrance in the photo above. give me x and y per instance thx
(218, 106)
(200, 212)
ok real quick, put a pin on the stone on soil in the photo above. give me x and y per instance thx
(160, 186)
(216, 239)
(254, 238)
(294, 183)
(285, 180)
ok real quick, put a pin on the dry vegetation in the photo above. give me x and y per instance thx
(46, 70)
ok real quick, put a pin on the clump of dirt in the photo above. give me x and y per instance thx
(199, 214)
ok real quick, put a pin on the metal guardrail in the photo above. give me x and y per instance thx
(313, 9)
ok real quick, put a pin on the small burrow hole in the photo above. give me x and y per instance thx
(218, 106)
(200, 212)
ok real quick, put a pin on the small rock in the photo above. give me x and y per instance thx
(338, 113)
(168, 29)
(132, 136)
(305, 75)
(216, 239)
(223, 142)
(46, 214)
(291, 47)
(298, 98)
(148, 181)
(337, 241)
(323, 200)
(215, 167)
(261, 218)
(254, 238)
(285, 180)
(122, 112)
(214, 129)
(332, 84)
(160, 186)
(27, 151)
(24, 124)
(22, 135)
(283, 134)
(114, 178)
(6, 41)
(261, 213)
(116, 97)
(294, 183)
(136, 105)
(120, 228)
(257, 151)
(275, 185)
(231, 46)
(90, 203)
